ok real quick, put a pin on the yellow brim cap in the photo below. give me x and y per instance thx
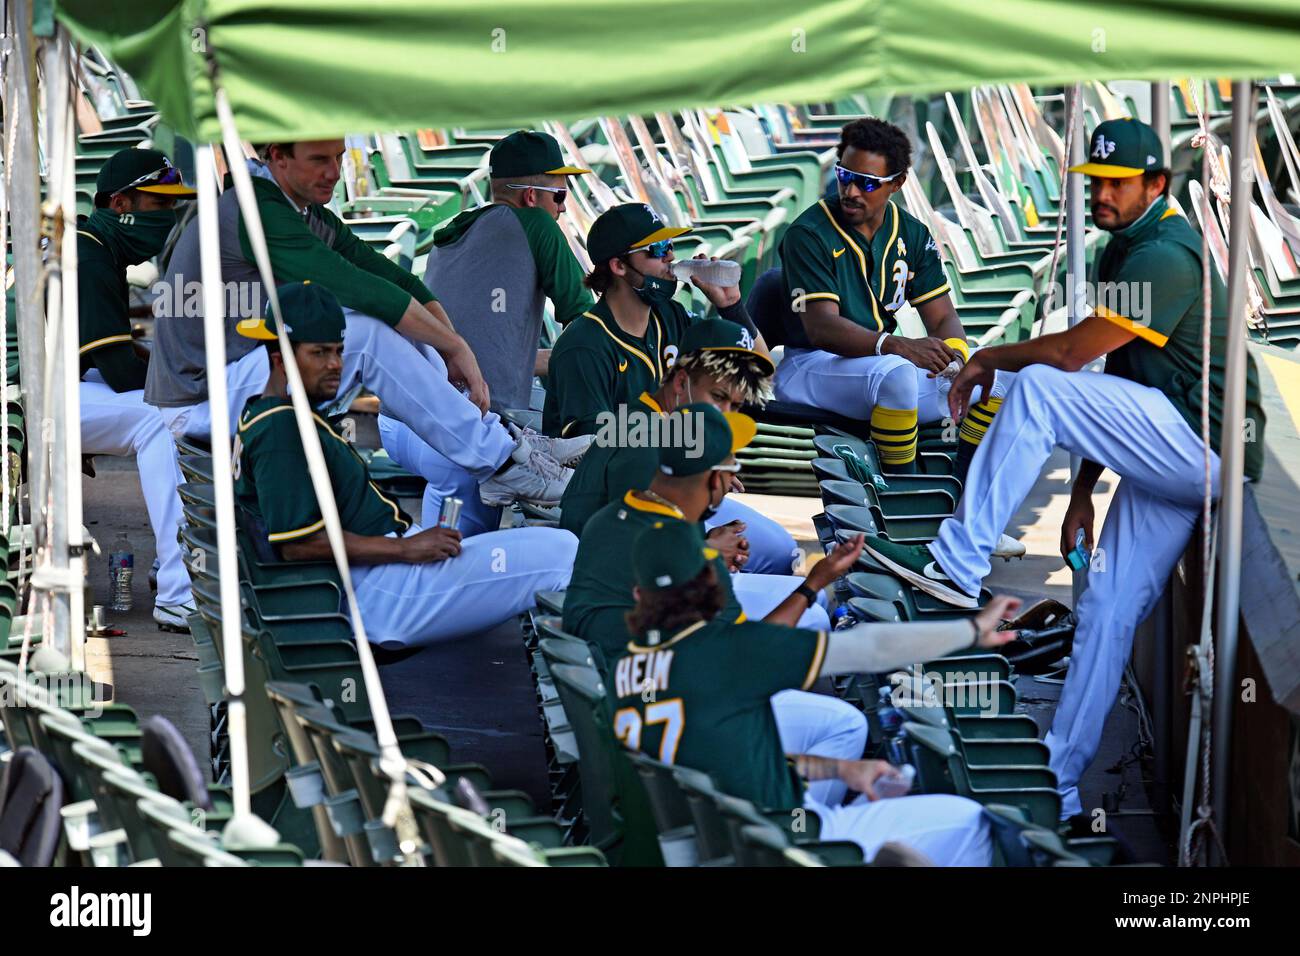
(1108, 171)
(743, 430)
(255, 329)
(567, 171)
(667, 232)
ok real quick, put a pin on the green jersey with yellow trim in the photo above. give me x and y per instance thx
(272, 481)
(606, 473)
(1148, 281)
(600, 588)
(596, 366)
(823, 257)
(104, 322)
(702, 699)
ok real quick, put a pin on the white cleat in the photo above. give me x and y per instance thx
(533, 477)
(566, 451)
(174, 617)
(1008, 548)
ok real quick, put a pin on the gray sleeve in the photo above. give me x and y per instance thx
(872, 648)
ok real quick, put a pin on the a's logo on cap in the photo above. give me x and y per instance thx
(653, 215)
(1151, 160)
(746, 340)
(664, 580)
(1103, 148)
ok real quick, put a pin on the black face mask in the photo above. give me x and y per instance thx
(654, 290)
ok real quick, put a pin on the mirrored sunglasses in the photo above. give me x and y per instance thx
(864, 181)
(656, 250)
(168, 175)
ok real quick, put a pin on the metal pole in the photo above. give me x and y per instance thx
(61, 294)
(1160, 111)
(1232, 451)
(1075, 289)
(25, 226)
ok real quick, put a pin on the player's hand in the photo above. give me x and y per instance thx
(832, 567)
(932, 354)
(1002, 607)
(463, 372)
(737, 486)
(720, 295)
(861, 775)
(973, 375)
(729, 541)
(430, 545)
(1078, 515)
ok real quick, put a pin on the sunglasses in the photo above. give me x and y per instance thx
(733, 467)
(559, 191)
(168, 175)
(655, 250)
(864, 181)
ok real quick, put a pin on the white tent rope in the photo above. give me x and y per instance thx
(397, 811)
(1072, 104)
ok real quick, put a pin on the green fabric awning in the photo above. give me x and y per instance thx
(300, 69)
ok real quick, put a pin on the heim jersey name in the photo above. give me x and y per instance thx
(637, 673)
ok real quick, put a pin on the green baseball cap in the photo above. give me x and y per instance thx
(311, 314)
(148, 170)
(1121, 148)
(720, 335)
(707, 441)
(621, 229)
(527, 152)
(668, 554)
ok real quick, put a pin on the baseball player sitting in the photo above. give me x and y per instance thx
(692, 478)
(414, 586)
(136, 192)
(718, 365)
(401, 345)
(850, 262)
(629, 340)
(1141, 418)
(696, 688)
(494, 268)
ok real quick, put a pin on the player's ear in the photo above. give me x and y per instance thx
(897, 184)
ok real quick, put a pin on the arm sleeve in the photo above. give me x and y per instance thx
(809, 273)
(122, 368)
(776, 658)
(280, 476)
(872, 648)
(364, 257)
(584, 384)
(557, 268)
(737, 313)
(297, 254)
(926, 278)
(1155, 287)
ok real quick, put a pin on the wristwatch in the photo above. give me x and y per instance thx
(810, 595)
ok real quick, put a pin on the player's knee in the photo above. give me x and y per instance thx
(898, 385)
(1038, 379)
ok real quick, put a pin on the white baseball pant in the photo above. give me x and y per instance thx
(1136, 432)
(950, 830)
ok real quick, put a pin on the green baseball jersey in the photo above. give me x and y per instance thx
(702, 699)
(272, 482)
(600, 589)
(1148, 281)
(104, 323)
(596, 366)
(822, 257)
(606, 473)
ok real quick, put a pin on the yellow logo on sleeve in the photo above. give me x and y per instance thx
(838, 252)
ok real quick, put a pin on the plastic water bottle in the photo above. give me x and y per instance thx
(121, 567)
(722, 272)
(896, 784)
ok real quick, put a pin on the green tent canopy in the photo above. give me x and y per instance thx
(315, 68)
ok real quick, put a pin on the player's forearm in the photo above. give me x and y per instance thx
(423, 325)
(542, 362)
(873, 648)
(1053, 350)
(1086, 480)
(813, 768)
(789, 611)
(360, 549)
(834, 333)
(435, 309)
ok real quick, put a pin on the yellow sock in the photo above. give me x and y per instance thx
(894, 432)
(977, 421)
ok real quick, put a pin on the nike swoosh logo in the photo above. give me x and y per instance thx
(622, 367)
(933, 572)
(838, 252)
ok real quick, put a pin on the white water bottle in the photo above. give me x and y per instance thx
(721, 272)
(895, 784)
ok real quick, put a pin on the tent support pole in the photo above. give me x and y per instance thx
(25, 225)
(1232, 449)
(1075, 291)
(1160, 111)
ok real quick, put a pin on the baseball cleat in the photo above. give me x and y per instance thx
(916, 565)
(533, 477)
(173, 617)
(1008, 548)
(566, 451)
